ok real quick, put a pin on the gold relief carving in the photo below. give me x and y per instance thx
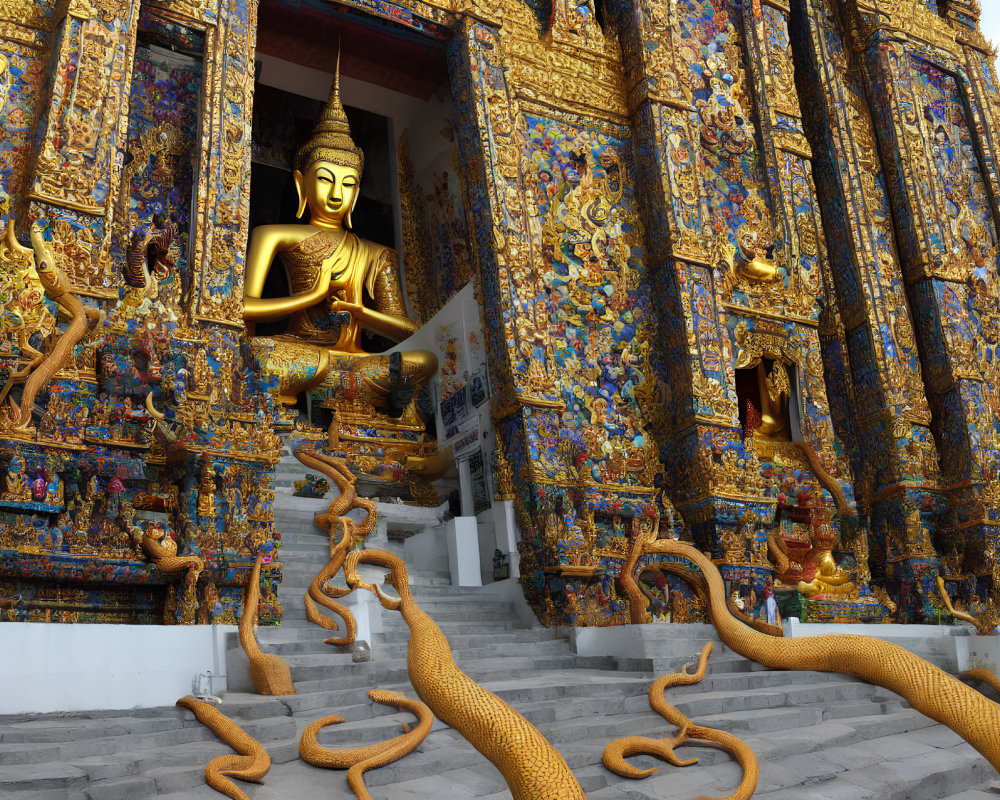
(909, 17)
(794, 143)
(714, 394)
(416, 258)
(222, 209)
(20, 35)
(198, 11)
(23, 13)
(572, 67)
(78, 147)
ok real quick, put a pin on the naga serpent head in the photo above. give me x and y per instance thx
(52, 278)
(398, 578)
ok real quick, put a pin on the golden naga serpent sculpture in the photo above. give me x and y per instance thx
(270, 675)
(985, 623)
(56, 284)
(164, 555)
(618, 750)
(318, 593)
(251, 761)
(356, 761)
(928, 689)
(532, 767)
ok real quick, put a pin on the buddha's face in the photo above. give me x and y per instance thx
(330, 191)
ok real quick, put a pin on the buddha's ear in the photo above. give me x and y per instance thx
(354, 202)
(300, 190)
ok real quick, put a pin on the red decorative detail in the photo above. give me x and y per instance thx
(753, 419)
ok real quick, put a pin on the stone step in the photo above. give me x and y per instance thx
(896, 769)
(479, 670)
(53, 778)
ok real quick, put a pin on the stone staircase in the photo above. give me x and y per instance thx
(817, 736)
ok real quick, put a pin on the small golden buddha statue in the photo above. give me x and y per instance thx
(775, 392)
(830, 578)
(340, 284)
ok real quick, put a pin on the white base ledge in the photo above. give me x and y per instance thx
(63, 667)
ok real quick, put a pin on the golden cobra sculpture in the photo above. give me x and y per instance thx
(925, 687)
(356, 761)
(618, 750)
(270, 675)
(318, 593)
(57, 288)
(251, 762)
(985, 623)
(163, 553)
(533, 769)
(628, 586)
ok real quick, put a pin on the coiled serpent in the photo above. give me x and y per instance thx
(357, 760)
(251, 761)
(928, 689)
(318, 593)
(618, 750)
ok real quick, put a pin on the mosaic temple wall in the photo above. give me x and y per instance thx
(736, 264)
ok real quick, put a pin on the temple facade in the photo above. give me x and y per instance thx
(733, 270)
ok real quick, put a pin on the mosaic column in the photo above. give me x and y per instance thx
(896, 458)
(943, 187)
(78, 161)
(25, 38)
(737, 254)
(568, 304)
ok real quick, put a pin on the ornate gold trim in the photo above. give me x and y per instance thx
(72, 205)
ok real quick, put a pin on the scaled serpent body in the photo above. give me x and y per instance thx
(318, 594)
(358, 760)
(618, 750)
(270, 675)
(252, 761)
(533, 769)
(56, 285)
(985, 676)
(924, 686)
(166, 559)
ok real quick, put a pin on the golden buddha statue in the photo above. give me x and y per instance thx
(775, 392)
(340, 284)
(830, 578)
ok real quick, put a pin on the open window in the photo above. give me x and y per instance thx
(768, 397)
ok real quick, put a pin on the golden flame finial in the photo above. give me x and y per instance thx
(331, 135)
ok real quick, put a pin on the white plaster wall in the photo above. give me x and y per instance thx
(56, 667)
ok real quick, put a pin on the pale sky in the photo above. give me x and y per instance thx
(990, 22)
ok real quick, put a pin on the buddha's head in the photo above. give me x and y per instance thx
(330, 191)
(328, 166)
